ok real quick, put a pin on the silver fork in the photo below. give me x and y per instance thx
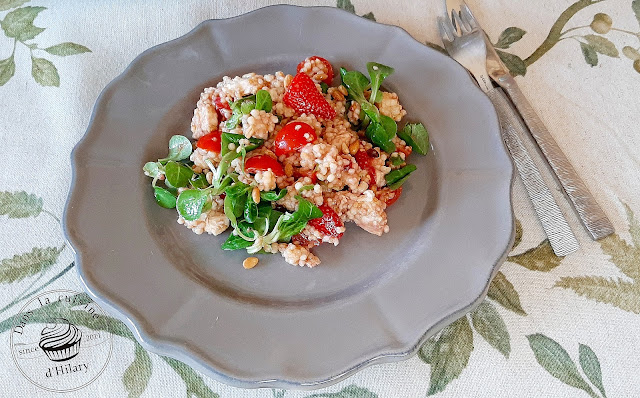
(465, 42)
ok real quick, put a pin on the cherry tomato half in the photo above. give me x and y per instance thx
(210, 142)
(297, 173)
(303, 240)
(365, 162)
(397, 192)
(218, 104)
(325, 62)
(293, 136)
(263, 163)
(328, 223)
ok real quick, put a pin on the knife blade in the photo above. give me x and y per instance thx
(555, 226)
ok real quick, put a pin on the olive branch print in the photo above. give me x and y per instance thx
(39, 260)
(622, 293)
(557, 362)
(589, 37)
(449, 351)
(18, 24)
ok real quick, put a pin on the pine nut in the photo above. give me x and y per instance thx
(255, 195)
(250, 262)
(354, 147)
(337, 95)
(288, 169)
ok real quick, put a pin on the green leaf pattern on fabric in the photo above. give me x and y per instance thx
(351, 391)
(502, 291)
(44, 72)
(348, 6)
(555, 360)
(516, 65)
(489, 324)
(66, 49)
(9, 4)
(196, 387)
(589, 53)
(18, 25)
(24, 265)
(450, 355)
(591, 367)
(621, 293)
(539, 258)
(137, 375)
(509, 36)
(20, 204)
(7, 69)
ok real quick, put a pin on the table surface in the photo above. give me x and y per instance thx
(561, 327)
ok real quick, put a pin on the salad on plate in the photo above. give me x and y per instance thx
(284, 161)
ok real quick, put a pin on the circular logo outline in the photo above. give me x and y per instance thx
(13, 354)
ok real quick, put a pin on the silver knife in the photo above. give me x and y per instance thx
(589, 211)
(560, 236)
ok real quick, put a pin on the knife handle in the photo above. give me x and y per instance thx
(553, 222)
(589, 211)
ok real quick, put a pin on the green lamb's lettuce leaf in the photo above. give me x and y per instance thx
(397, 177)
(273, 196)
(230, 138)
(153, 169)
(199, 181)
(190, 203)
(235, 242)
(381, 137)
(264, 101)
(164, 198)
(247, 106)
(234, 201)
(356, 84)
(237, 110)
(179, 148)
(250, 208)
(296, 222)
(377, 73)
(396, 160)
(178, 175)
(381, 129)
(416, 136)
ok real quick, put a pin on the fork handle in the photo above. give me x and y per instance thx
(589, 211)
(555, 226)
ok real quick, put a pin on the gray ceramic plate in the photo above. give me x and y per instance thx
(372, 299)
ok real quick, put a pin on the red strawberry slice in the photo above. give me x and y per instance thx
(303, 96)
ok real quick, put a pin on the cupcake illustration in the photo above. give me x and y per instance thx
(60, 340)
